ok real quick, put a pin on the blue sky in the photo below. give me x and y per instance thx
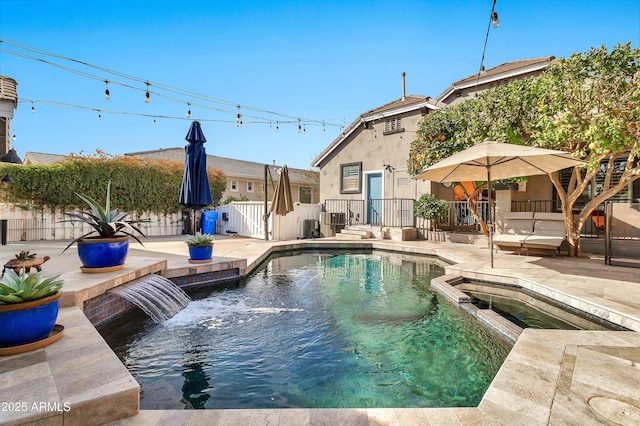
(317, 60)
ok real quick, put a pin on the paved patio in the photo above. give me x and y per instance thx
(550, 377)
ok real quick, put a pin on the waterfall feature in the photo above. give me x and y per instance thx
(157, 296)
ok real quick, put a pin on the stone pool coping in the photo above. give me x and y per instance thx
(548, 377)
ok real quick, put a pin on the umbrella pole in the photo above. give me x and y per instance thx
(490, 215)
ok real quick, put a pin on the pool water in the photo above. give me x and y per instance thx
(314, 330)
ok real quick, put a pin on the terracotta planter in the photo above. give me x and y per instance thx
(97, 254)
(23, 323)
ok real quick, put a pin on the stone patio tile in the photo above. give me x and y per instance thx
(411, 416)
(474, 416)
(383, 416)
(440, 416)
(233, 417)
(338, 416)
(509, 415)
(295, 417)
(264, 417)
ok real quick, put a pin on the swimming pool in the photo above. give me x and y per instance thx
(314, 330)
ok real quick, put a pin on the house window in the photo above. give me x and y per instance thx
(234, 186)
(249, 186)
(393, 125)
(351, 178)
(304, 195)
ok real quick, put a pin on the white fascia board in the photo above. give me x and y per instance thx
(502, 76)
(398, 111)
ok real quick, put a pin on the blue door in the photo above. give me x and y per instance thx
(374, 198)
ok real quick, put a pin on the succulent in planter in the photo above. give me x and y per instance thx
(200, 247)
(199, 239)
(107, 244)
(28, 307)
(25, 287)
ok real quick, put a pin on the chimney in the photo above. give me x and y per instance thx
(404, 91)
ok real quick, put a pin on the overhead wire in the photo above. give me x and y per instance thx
(181, 92)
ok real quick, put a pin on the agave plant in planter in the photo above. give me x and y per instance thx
(28, 307)
(200, 247)
(107, 250)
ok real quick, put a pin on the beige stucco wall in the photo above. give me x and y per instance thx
(374, 150)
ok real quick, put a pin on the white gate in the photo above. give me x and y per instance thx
(246, 219)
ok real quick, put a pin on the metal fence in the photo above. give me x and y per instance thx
(391, 212)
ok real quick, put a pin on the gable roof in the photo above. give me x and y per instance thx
(40, 158)
(403, 105)
(505, 71)
(232, 167)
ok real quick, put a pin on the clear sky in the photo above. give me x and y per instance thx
(314, 60)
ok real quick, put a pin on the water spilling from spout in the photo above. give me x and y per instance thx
(157, 296)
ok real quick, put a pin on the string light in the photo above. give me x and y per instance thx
(277, 127)
(40, 55)
(239, 118)
(33, 108)
(107, 95)
(13, 137)
(189, 111)
(324, 129)
(299, 127)
(154, 121)
(99, 115)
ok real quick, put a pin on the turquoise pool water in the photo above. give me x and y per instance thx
(314, 330)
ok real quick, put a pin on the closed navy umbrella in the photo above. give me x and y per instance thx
(195, 192)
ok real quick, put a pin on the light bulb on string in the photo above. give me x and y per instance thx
(107, 95)
(13, 137)
(189, 111)
(304, 129)
(147, 96)
(299, 126)
(99, 115)
(154, 121)
(239, 118)
(324, 128)
(33, 108)
(277, 127)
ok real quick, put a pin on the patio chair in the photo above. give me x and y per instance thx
(516, 227)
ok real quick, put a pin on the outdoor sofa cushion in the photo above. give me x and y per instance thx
(549, 232)
(516, 227)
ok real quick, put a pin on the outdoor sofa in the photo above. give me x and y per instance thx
(540, 233)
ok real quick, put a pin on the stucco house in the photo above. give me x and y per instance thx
(363, 172)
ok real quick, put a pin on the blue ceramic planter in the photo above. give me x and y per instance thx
(200, 252)
(103, 252)
(28, 322)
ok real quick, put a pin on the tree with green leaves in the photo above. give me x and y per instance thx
(587, 104)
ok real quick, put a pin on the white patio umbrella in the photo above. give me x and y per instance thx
(490, 160)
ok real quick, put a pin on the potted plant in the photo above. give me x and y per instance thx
(28, 307)
(200, 247)
(107, 250)
(431, 208)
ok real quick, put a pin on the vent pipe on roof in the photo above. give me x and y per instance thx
(404, 91)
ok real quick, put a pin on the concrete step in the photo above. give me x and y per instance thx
(341, 236)
(362, 232)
